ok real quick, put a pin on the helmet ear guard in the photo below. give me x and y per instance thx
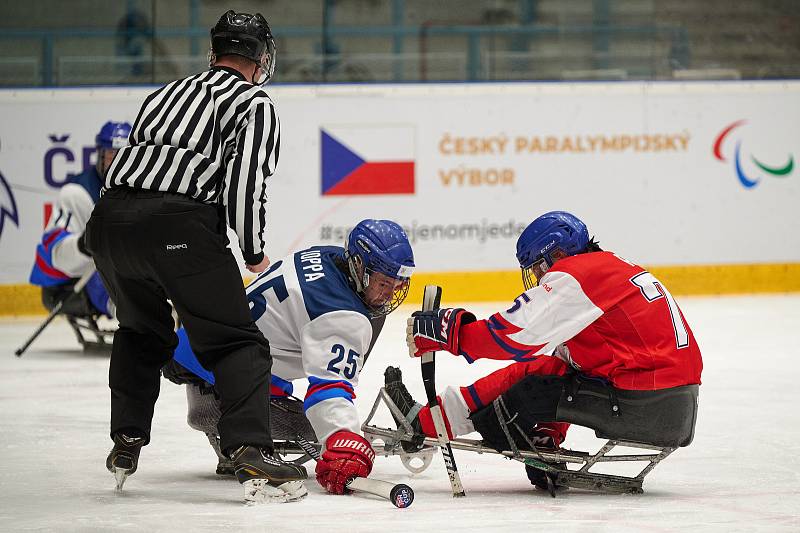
(357, 271)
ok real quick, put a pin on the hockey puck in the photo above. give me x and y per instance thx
(402, 496)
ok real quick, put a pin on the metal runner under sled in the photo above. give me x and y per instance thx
(545, 459)
(73, 303)
(89, 334)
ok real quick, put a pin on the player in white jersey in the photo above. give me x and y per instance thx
(321, 309)
(61, 257)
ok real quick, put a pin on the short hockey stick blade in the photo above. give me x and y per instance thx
(399, 495)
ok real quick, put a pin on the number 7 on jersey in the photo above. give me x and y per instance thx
(653, 290)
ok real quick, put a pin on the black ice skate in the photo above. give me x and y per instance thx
(393, 383)
(124, 457)
(267, 479)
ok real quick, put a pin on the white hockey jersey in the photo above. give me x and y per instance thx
(58, 257)
(318, 329)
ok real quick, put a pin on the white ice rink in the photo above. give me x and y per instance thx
(740, 474)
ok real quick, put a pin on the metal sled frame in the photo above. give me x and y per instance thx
(544, 459)
(87, 327)
(285, 448)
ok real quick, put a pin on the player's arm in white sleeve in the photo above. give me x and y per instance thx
(540, 319)
(74, 209)
(333, 347)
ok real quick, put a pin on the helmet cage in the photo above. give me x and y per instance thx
(100, 164)
(362, 274)
(532, 273)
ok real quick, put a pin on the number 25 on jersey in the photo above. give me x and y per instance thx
(350, 366)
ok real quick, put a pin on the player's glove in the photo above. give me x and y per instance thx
(429, 331)
(347, 456)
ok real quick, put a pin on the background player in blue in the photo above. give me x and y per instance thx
(61, 257)
(321, 309)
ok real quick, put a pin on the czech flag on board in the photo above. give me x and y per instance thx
(367, 160)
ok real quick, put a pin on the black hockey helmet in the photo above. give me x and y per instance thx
(244, 35)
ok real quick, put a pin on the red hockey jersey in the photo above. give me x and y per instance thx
(604, 316)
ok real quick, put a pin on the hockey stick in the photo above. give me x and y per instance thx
(400, 495)
(56, 309)
(430, 301)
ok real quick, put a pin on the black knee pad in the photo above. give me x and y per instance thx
(528, 402)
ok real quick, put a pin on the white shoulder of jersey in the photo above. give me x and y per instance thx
(552, 312)
(333, 347)
(77, 205)
(74, 208)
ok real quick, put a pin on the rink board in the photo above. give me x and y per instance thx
(694, 180)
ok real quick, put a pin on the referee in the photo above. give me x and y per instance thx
(199, 155)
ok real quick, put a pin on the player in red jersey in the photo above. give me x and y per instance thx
(589, 329)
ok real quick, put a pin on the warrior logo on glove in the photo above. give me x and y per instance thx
(357, 445)
(348, 455)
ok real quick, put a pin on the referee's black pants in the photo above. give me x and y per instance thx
(152, 246)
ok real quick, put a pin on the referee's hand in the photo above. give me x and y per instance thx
(261, 267)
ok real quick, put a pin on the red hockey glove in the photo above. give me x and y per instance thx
(347, 455)
(429, 331)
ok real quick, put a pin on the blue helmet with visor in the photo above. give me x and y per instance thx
(113, 135)
(378, 251)
(550, 237)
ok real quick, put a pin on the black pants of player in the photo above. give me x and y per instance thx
(663, 417)
(152, 246)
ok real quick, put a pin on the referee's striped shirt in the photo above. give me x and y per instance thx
(212, 136)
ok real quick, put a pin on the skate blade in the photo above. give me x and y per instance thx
(259, 491)
(120, 474)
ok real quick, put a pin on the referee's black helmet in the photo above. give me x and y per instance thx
(245, 35)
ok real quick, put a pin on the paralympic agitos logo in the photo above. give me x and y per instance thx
(752, 178)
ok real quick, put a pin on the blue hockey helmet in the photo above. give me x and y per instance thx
(380, 261)
(113, 135)
(550, 237)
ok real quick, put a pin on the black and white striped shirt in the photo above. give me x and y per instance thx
(212, 136)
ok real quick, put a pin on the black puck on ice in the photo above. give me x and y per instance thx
(402, 496)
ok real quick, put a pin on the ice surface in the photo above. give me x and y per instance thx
(740, 474)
